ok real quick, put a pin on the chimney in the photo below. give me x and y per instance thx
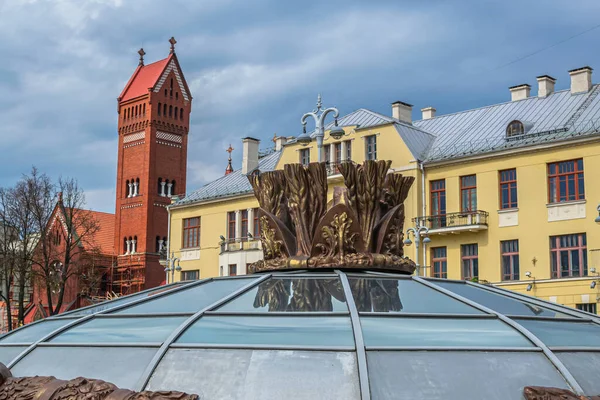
(428, 112)
(402, 111)
(545, 85)
(519, 92)
(250, 155)
(581, 79)
(279, 142)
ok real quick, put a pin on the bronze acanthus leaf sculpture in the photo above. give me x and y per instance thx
(362, 229)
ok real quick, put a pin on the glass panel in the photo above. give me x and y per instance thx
(117, 302)
(403, 295)
(189, 300)
(8, 353)
(585, 367)
(291, 295)
(121, 330)
(497, 302)
(321, 331)
(258, 374)
(426, 375)
(119, 365)
(386, 331)
(560, 333)
(34, 332)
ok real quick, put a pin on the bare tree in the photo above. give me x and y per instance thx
(8, 251)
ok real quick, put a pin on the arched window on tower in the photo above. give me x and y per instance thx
(159, 109)
(176, 112)
(144, 109)
(181, 113)
(165, 92)
(125, 249)
(173, 192)
(127, 188)
(170, 111)
(171, 89)
(134, 245)
(137, 186)
(176, 95)
(165, 110)
(124, 112)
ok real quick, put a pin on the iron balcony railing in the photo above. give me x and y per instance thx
(457, 219)
(240, 244)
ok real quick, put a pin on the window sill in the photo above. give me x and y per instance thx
(189, 248)
(566, 203)
(508, 210)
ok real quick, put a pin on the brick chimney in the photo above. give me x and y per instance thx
(428, 112)
(545, 85)
(402, 111)
(581, 79)
(519, 92)
(250, 154)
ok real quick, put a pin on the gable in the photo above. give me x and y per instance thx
(172, 67)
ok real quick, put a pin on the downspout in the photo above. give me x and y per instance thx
(423, 213)
(168, 239)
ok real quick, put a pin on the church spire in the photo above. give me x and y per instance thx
(229, 168)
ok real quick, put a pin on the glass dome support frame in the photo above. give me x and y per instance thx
(554, 307)
(89, 317)
(151, 367)
(562, 369)
(361, 353)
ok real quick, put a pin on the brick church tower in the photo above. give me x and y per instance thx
(154, 119)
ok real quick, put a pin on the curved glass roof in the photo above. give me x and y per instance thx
(307, 335)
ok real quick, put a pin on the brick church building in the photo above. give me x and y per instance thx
(154, 118)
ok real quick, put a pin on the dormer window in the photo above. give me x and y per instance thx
(515, 128)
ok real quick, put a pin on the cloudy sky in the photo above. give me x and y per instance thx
(254, 66)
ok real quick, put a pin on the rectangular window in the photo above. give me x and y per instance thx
(305, 156)
(256, 229)
(568, 255)
(232, 269)
(348, 150)
(587, 307)
(190, 275)
(565, 181)
(509, 254)
(469, 261)
(439, 262)
(327, 152)
(468, 193)
(508, 189)
(191, 232)
(371, 147)
(438, 203)
(231, 225)
(338, 152)
(244, 224)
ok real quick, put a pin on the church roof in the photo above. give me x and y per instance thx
(144, 77)
(105, 236)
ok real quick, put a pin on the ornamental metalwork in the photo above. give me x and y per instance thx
(362, 227)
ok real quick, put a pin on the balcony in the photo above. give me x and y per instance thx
(454, 223)
(239, 245)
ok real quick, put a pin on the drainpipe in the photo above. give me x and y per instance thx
(168, 239)
(423, 211)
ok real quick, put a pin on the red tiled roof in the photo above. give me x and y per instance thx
(144, 77)
(104, 238)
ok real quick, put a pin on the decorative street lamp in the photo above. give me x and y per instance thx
(597, 220)
(169, 264)
(319, 116)
(419, 232)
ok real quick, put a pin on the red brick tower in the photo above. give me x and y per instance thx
(154, 120)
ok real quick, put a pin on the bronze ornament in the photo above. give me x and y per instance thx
(363, 228)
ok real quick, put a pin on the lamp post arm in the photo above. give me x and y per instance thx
(326, 112)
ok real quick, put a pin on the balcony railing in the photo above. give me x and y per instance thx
(454, 222)
(240, 244)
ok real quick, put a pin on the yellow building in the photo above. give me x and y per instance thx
(506, 191)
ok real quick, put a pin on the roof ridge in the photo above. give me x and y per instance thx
(499, 104)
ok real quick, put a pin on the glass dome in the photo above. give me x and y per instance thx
(309, 335)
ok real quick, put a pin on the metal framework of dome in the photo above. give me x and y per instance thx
(317, 334)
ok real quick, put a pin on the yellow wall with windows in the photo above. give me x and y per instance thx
(533, 230)
(213, 213)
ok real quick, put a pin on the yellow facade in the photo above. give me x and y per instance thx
(529, 224)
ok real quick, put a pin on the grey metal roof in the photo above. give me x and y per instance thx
(558, 117)
(232, 184)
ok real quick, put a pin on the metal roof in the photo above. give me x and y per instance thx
(559, 116)
(235, 183)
